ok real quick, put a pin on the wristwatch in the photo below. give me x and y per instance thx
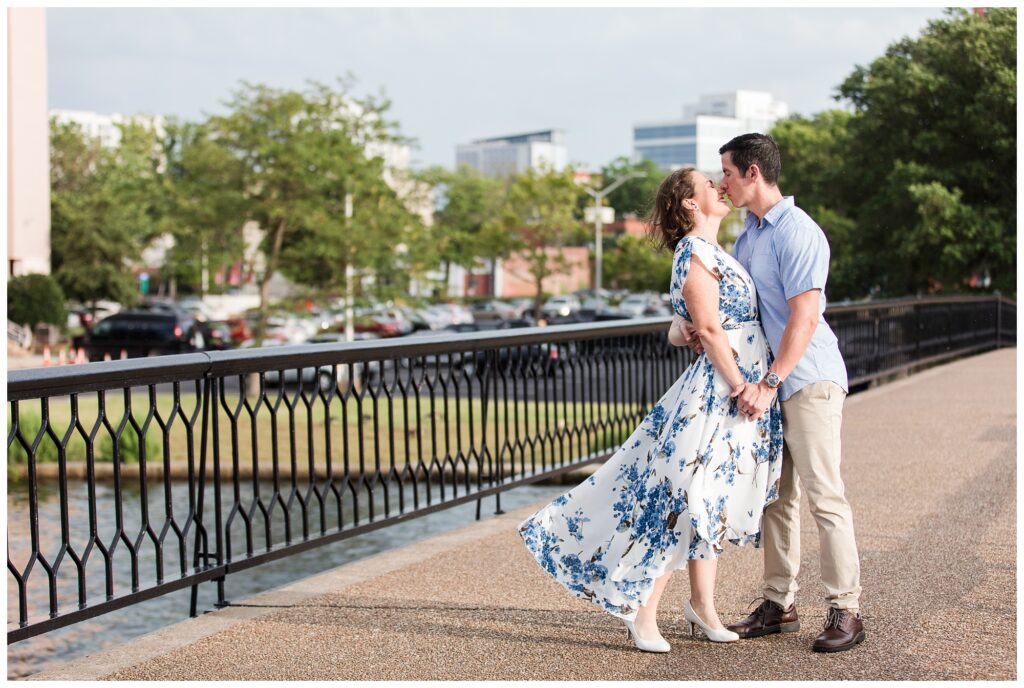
(773, 380)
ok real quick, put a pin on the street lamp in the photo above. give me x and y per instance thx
(599, 196)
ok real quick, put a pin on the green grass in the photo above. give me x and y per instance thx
(363, 436)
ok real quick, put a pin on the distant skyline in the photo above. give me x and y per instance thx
(455, 75)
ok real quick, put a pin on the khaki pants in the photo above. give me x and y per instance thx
(811, 422)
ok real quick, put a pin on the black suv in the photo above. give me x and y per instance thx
(149, 332)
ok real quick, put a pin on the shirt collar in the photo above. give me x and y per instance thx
(773, 214)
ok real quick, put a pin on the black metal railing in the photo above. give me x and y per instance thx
(212, 463)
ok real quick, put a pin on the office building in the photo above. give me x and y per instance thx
(505, 156)
(695, 139)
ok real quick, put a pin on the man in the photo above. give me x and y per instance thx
(787, 255)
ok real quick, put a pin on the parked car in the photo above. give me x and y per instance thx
(561, 306)
(240, 329)
(149, 332)
(641, 305)
(547, 356)
(489, 310)
(219, 335)
(327, 376)
(459, 314)
(385, 323)
(599, 309)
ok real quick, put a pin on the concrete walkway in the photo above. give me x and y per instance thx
(930, 470)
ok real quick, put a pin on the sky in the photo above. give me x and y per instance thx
(454, 75)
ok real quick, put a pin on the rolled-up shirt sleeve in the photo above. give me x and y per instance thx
(803, 259)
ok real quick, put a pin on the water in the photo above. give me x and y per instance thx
(109, 630)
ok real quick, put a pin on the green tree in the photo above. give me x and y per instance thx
(302, 154)
(101, 212)
(204, 207)
(634, 264)
(34, 299)
(539, 215)
(636, 195)
(931, 161)
(814, 154)
(468, 225)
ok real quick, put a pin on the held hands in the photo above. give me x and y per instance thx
(753, 399)
(690, 337)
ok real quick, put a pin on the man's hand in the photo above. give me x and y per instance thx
(690, 336)
(753, 400)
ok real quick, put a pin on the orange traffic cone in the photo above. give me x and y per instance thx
(106, 355)
(62, 358)
(124, 353)
(80, 358)
(46, 357)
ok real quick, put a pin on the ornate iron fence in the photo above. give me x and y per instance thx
(283, 449)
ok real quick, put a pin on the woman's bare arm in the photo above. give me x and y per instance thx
(701, 293)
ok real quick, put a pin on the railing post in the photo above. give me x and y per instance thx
(949, 329)
(200, 497)
(917, 320)
(999, 322)
(218, 517)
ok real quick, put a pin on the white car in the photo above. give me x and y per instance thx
(638, 305)
(561, 306)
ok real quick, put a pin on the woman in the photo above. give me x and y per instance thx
(696, 472)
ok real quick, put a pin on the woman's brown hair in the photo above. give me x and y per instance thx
(668, 220)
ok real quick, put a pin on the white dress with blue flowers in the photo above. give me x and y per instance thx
(693, 475)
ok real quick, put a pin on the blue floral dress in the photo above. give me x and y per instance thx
(693, 475)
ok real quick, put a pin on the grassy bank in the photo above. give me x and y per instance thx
(359, 436)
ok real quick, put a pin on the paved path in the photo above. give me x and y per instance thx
(929, 464)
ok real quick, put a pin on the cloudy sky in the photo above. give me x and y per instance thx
(458, 74)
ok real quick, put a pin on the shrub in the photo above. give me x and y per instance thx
(34, 299)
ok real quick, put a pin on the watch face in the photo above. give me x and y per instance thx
(773, 380)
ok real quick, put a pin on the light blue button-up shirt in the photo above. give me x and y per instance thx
(787, 254)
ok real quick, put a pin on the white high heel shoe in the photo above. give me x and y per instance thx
(660, 645)
(713, 634)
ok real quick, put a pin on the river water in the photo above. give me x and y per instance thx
(109, 630)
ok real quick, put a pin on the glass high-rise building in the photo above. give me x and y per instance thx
(505, 156)
(694, 140)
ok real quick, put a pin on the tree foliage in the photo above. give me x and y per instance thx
(636, 265)
(468, 224)
(203, 203)
(302, 154)
(916, 188)
(35, 298)
(539, 215)
(635, 196)
(102, 210)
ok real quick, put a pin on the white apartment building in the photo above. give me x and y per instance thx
(695, 139)
(104, 127)
(505, 156)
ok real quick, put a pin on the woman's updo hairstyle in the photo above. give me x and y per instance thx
(669, 220)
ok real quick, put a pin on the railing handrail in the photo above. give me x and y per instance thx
(35, 382)
(914, 300)
(87, 377)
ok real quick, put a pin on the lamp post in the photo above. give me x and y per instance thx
(598, 197)
(349, 275)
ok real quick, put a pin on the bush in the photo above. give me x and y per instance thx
(34, 299)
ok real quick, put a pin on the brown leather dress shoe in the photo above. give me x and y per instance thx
(843, 630)
(767, 618)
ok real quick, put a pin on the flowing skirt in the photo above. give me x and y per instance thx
(694, 474)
